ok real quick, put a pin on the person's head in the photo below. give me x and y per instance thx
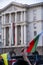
(21, 62)
(12, 54)
(1, 57)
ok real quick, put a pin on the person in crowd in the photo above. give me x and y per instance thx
(1, 60)
(24, 54)
(25, 60)
(21, 62)
(11, 54)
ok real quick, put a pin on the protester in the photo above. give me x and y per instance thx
(24, 54)
(21, 62)
(36, 54)
(1, 60)
(11, 54)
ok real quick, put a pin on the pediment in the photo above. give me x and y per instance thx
(11, 8)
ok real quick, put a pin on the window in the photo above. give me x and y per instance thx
(7, 36)
(13, 17)
(34, 14)
(0, 36)
(13, 35)
(19, 34)
(0, 42)
(0, 20)
(34, 24)
(7, 18)
(0, 29)
(35, 33)
(34, 27)
(18, 16)
(23, 16)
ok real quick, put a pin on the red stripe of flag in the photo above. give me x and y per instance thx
(30, 46)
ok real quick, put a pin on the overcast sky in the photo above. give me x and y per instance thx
(3, 3)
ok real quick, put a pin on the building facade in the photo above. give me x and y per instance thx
(0, 33)
(20, 24)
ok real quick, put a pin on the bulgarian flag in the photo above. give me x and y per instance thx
(33, 44)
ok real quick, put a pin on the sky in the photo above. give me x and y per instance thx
(3, 3)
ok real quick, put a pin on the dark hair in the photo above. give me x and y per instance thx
(21, 62)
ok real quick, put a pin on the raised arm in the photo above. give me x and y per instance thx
(24, 54)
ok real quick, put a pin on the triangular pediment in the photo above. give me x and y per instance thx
(14, 7)
(11, 8)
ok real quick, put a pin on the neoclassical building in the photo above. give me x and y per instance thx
(20, 24)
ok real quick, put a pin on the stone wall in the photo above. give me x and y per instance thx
(18, 50)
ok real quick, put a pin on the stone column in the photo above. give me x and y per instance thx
(22, 35)
(12, 42)
(2, 31)
(10, 36)
(15, 35)
(4, 36)
(9, 17)
(15, 17)
(25, 34)
(10, 29)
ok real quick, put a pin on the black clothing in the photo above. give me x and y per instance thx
(1, 62)
(21, 62)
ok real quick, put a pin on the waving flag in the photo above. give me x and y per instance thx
(4, 56)
(33, 44)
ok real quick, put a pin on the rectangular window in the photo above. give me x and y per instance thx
(35, 33)
(0, 36)
(0, 29)
(19, 35)
(18, 16)
(13, 35)
(35, 25)
(0, 20)
(34, 14)
(23, 16)
(13, 17)
(7, 36)
(7, 18)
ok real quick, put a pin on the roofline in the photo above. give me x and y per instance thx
(16, 4)
(22, 5)
(36, 4)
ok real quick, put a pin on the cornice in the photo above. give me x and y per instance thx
(21, 5)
